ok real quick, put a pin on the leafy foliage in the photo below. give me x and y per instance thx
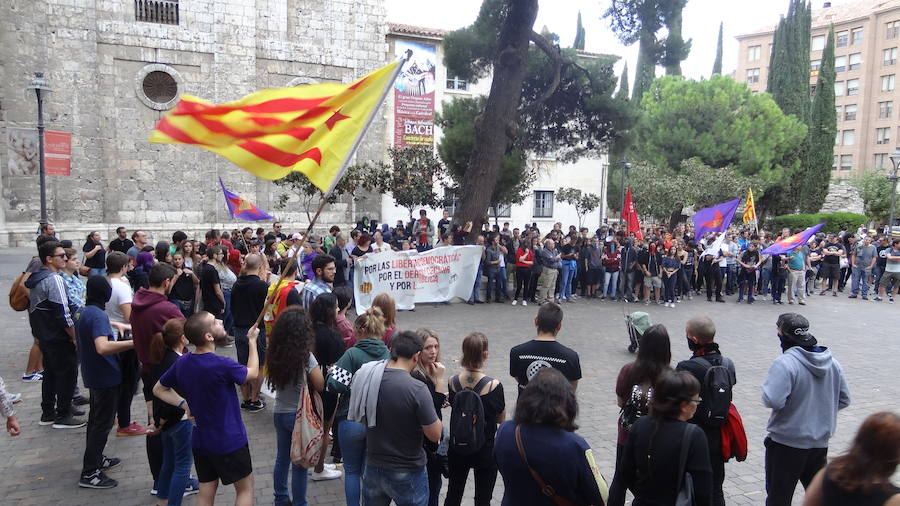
(357, 178)
(875, 190)
(469, 52)
(719, 121)
(833, 221)
(412, 177)
(584, 203)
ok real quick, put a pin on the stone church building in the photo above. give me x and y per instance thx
(116, 66)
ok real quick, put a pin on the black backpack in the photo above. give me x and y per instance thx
(636, 406)
(715, 392)
(467, 417)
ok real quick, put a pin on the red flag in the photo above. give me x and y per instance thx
(630, 217)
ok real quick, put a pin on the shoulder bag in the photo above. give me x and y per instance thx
(309, 431)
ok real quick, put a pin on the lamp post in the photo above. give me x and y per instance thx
(39, 85)
(892, 177)
(625, 167)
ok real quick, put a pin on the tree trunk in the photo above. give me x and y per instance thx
(496, 123)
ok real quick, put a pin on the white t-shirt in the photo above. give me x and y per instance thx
(121, 294)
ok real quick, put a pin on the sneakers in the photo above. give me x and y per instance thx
(878, 298)
(326, 474)
(851, 296)
(80, 400)
(193, 487)
(326, 467)
(524, 302)
(70, 422)
(514, 302)
(33, 377)
(109, 463)
(14, 398)
(891, 300)
(253, 406)
(47, 420)
(132, 430)
(74, 411)
(97, 480)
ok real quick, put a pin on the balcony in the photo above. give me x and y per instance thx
(156, 11)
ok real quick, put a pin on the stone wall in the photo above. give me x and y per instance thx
(843, 197)
(95, 54)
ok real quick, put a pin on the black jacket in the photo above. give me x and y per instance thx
(248, 297)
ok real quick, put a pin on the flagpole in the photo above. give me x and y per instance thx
(304, 238)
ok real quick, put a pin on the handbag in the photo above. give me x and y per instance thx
(546, 488)
(18, 294)
(686, 489)
(308, 433)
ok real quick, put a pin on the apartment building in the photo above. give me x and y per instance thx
(867, 100)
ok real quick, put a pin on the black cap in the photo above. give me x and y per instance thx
(795, 328)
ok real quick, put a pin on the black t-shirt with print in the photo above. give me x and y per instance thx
(526, 359)
(832, 259)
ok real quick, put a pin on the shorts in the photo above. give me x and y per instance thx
(830, 271)
(653, 282)
(228, 468)
(594, 275)
(887, 277)
(242, 345)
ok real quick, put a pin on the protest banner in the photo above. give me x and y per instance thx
(410, 277)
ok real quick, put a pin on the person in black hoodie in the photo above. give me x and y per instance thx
(175, 424)
(248, 297)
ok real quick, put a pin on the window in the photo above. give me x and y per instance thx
(156, 11)
(850, 112)
(852, 87)
(885, 109)
(543, 204)
(881, 160)
(753, 53)
(752, 76)
(834, 163)
(856, 36)
(893, 29)
(887, 83)
(837, 138)
(842, 38)
(855, 61)
(458, 84)
(838, 88)
(889, 56)
(849, 137)
(818, 43)
(846, 162)
(840, 63)
(451, 200)
(883, 135)
(815, 64)
(504, 211)
(839, 112)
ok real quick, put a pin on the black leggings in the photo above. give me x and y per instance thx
(531, 285)
(523, 277)
(130, 376)
(485, 476)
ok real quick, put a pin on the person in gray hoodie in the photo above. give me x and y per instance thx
(805, 389)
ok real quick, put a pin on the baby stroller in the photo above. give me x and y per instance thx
(637, 323)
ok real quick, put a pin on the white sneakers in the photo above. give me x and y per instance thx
(514, 302)
(330, 472)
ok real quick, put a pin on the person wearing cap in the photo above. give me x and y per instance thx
(805, 388)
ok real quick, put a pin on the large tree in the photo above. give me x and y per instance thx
(677, 48)
(543, 98)
(579, 34)
(815, 173)
(619, 146)
(717, 64)
(719, 121)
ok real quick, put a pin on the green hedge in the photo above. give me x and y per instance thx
(833, 221)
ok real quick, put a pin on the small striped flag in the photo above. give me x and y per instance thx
(749, 208)
(311, 129)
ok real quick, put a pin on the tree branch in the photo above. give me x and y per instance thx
(558, 60)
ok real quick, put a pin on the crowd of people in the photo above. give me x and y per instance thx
(400, 423)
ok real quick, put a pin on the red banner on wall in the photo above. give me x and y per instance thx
(414, 96)
(57, 153)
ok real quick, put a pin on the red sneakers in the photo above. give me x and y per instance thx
(132, 430)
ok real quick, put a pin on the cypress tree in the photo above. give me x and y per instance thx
(717, 65)
(677, 48)
(622, 92)
(617, 151)
(816, 172)
(579, 34)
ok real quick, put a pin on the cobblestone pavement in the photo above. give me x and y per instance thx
(41, 466)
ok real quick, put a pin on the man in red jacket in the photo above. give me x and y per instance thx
(150, 310)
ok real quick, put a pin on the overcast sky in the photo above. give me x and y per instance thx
(701, 23)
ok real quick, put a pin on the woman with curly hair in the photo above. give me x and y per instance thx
(290, 363)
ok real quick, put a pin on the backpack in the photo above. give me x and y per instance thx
(636, 406)
(467, 417)
(716, 391)
(18, 294)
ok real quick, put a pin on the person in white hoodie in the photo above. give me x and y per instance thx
(805, 389)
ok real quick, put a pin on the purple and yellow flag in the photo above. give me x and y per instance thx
(792, 242)
(241, 208)
(714, 219)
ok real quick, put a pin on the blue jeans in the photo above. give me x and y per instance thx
(98, 272)
(568, 271)
(227, 318)
(352, 436)
(860, 281)
(504, 280)
(176, 463)
(610, 281)
(477, 288)
(405, 489)
(284, 427)
(765, 277)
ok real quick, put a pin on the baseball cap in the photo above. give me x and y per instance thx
(297, 237)
(795, 328)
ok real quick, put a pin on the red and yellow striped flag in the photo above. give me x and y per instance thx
(312, 129)
(749, 208)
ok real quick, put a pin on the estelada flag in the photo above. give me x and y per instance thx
(241, 208)
(630, 217)
(749, 207)
(311, 129)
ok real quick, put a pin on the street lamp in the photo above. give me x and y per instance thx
(625, 167)
(892, 177)
(39, 85)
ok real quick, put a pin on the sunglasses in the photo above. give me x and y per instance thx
(61, 255)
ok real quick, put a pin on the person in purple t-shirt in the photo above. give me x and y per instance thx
(202, 383)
